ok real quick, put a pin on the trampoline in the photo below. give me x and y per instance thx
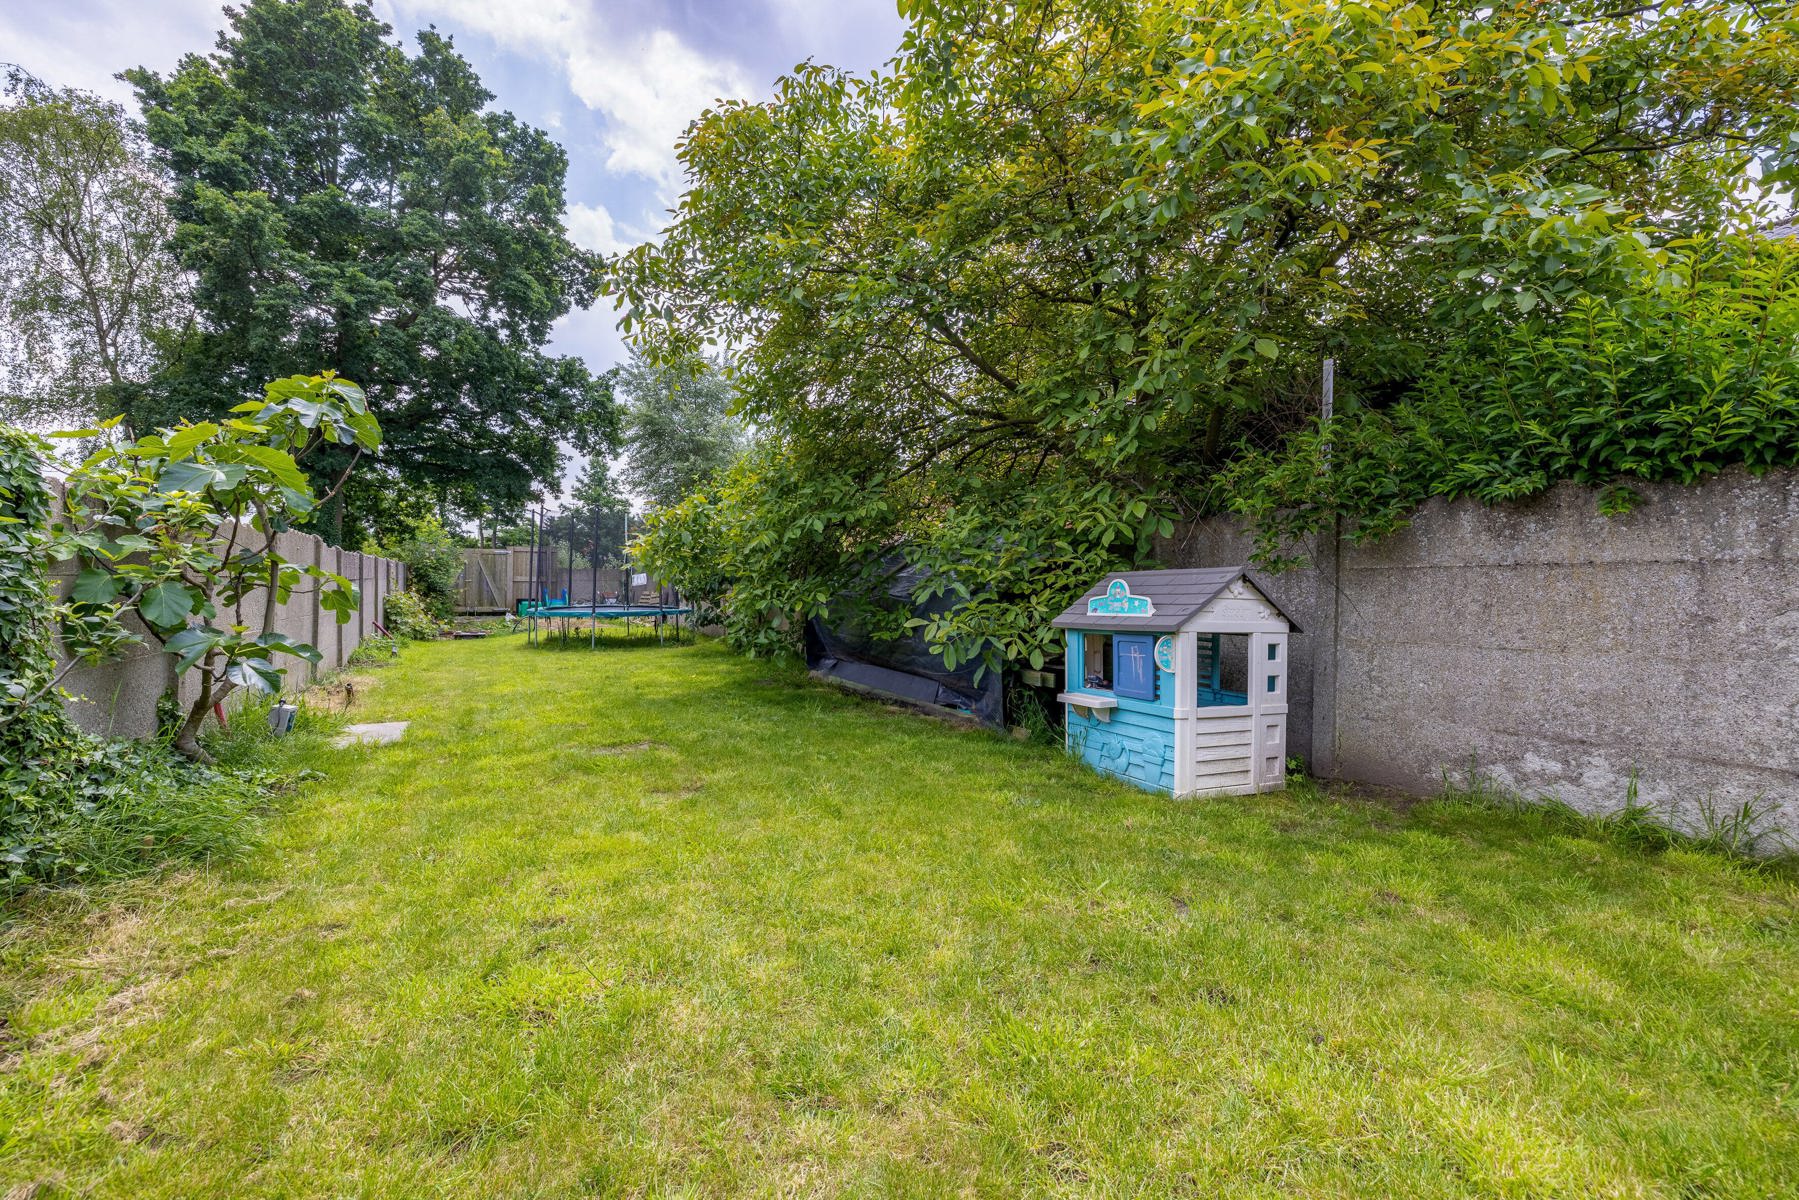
(542, 618)
(582, 580)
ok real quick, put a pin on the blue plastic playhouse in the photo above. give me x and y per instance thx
(1177, 681)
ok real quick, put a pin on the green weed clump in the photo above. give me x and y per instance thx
(1746, 833)
(76, 807)
(119, 808)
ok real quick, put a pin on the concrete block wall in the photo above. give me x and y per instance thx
(118, 698)
(1559, 652)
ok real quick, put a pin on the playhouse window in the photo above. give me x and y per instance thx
(1096, 669)
(1223, 670)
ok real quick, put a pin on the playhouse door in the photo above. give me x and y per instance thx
(1268, 702)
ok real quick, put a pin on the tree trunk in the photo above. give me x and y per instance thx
(187, 738)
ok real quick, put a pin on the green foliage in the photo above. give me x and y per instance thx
(1748, 834)
(72, 806)
(376, 651)
(1696, 370)
(108, 809)
(777, 541)
(767, 546)
(433, 559)
(1030, 292)
(599, 521)
(33, 726)
(180, 528)
(90, 297)
(346, 204)
(409, 619)
(679, 431)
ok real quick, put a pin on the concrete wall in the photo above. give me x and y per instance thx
(118, 698)
(1559, 651)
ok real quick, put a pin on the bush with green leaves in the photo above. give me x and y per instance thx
(433, 561)
(74, 806)
(178, 529)
(775, 541)
(408, 619)
(1695, 370)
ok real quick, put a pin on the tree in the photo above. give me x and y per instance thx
(345, 204)
(679, 431)
(90, 297)
(1041, 283)
(600, 517)
(179, 529)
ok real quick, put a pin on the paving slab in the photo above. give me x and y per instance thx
(375, 733)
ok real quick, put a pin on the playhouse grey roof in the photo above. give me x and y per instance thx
(1176, 595)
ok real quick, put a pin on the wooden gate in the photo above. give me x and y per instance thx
(493, 580)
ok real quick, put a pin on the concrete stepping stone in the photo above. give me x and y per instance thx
(375, 733)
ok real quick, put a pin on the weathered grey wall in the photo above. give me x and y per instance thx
(118, 698)
(1560, 651)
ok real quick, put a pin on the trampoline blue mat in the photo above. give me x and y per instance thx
(605, 610)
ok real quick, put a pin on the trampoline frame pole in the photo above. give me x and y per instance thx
(531, 583)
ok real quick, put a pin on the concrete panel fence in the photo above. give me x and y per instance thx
(1557, 651)
(118, 698)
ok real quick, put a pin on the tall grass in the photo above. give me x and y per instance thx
(1745, 832)
(123, 808)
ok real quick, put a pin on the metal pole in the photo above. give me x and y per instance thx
(1329, 406)
(531, 583)
(593, 581)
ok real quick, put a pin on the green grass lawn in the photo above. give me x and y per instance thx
(663, 922)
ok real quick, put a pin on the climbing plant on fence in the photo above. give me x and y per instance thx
(33, 726)
(179, 529)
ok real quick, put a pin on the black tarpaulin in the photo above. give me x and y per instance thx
(904, 668)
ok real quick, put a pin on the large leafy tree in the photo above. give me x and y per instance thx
(347, 205)
(679, 431)
(90, 297)
(1035, 287)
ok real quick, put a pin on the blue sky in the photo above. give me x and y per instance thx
(614, 81)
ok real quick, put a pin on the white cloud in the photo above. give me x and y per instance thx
(844, 33)
(649, 91)
(85, 45)
(591, 227)
(647, 85)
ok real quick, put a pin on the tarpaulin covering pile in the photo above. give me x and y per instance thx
(905, 667)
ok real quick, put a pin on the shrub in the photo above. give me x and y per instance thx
(180, 529)
(1695, 370)
(409, 619)
(73, 806)
(433, 563)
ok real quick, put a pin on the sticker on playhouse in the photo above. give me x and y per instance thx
(1118, 602)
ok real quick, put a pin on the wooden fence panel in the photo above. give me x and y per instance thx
(493, 580)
